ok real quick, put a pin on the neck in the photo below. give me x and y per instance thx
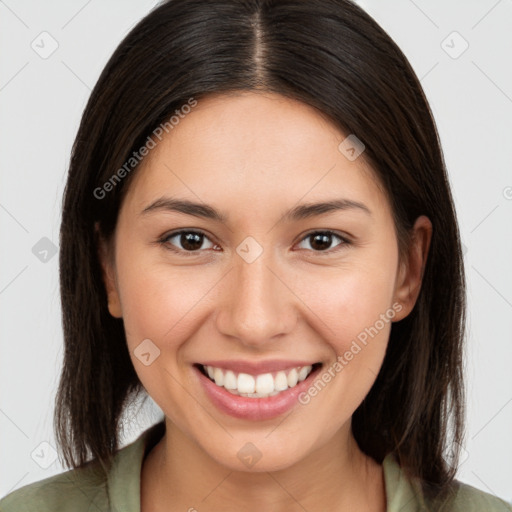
(178, 475)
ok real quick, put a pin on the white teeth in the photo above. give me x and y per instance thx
(304, 372)
(246, 383)
(218, 375)
(229, 380)
(281, 381)
(293, 378)
(264, 384)
(259, 386)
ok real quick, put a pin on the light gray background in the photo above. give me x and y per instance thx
(41, 101)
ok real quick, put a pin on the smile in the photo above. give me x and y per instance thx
(257, 386)
(255, 392)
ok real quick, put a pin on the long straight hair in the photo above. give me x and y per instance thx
(331, 55)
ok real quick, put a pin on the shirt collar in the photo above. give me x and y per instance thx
(402, 494)
(125, 476)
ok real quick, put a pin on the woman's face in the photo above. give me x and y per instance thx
(260, 288)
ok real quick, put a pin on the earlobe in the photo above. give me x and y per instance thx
(108, 274)
(410, 274)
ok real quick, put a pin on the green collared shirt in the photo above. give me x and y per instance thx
(87, 490)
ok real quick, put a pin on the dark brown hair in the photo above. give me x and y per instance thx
(333, 56)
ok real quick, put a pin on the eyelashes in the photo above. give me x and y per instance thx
(323, 236)
(192, 241)
(165, 240)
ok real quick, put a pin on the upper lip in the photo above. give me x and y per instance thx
(256, 368)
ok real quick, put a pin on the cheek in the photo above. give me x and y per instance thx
(165, 303)
(349, 300)
(353, 311)
(160, 302)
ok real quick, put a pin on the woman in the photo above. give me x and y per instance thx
(258, 232)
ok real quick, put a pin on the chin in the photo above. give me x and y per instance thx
(259, 455)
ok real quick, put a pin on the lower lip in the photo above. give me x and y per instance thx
(255, 409)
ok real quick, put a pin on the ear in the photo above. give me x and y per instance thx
(108, 274)
(410, 273)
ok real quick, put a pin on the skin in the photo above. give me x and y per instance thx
(253, 156)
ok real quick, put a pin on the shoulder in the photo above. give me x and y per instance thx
(80, 490)
(89, 488)
(465, 498)
(406, 494)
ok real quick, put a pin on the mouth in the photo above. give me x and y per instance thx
(255, 396)
(260, 385)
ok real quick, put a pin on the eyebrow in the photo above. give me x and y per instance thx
(299, 212)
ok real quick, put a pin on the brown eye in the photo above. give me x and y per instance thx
(321, 241)
(185, 241)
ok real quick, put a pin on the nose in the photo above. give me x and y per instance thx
(257, 306)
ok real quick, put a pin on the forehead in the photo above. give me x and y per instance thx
(247, 148)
